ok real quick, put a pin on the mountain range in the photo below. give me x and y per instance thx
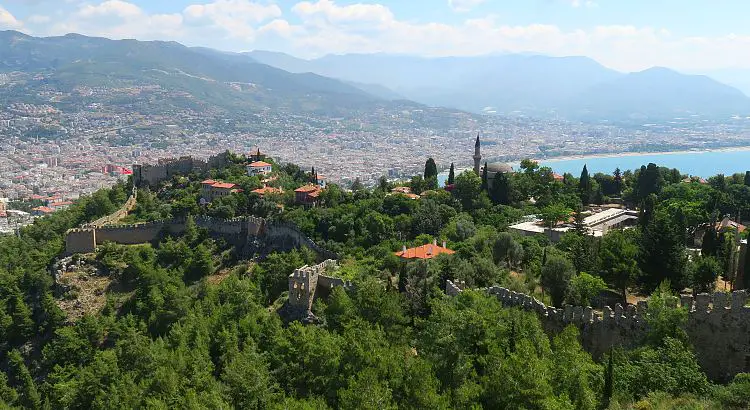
(569, 87)
(573, 87)
(228, 81)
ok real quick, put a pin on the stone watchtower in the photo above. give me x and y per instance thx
(477, 156)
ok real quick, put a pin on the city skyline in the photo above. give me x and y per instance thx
(627, 36)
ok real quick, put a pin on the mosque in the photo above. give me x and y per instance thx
(492, 169)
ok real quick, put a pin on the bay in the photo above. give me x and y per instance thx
(703, 164)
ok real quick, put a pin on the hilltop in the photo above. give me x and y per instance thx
(198, 78)
(574, 87)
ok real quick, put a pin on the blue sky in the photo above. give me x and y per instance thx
(627, 35)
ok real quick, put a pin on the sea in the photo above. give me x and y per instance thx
(702, 164)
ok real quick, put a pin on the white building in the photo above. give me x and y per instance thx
(597, 224)
(259, 168)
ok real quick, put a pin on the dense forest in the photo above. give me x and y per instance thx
(189, 323)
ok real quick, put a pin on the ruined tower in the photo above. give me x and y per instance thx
(477, 156)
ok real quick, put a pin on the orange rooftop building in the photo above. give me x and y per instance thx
(211, 189)
(307, 195)
(428, 251)
(267, 190)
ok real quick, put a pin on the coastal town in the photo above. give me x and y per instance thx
(48, 152)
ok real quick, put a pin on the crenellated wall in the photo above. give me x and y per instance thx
(718, 326)
(80, 241)
(151, 175)
(248, 234)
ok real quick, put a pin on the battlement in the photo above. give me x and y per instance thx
(151, 175)
(305, 281)
(717, 326)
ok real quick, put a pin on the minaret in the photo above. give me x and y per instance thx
(477, 156)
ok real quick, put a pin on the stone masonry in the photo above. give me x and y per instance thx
(308, 282)
(718, 326)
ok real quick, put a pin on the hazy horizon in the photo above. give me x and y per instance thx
(626, 37)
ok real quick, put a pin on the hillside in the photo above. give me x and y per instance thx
(192, 317)
(660, 93)
(228, 81)
(576, 87)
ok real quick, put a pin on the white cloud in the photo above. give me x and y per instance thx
(8, 21)
(326, 26)
(235, 18)
(328, 11)
(110, 8)
(464, 5)
(38, 19)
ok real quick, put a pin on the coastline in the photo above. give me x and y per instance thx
(635, 154)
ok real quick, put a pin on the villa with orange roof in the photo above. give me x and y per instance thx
(308, 195)
(211, 189)
(258, 168)
(428, 251)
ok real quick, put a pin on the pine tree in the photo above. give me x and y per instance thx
(747, 178)
(28, 395)
(451, 176)
(584, 186)
(484, 186)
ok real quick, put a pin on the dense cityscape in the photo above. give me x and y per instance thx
(55, 150)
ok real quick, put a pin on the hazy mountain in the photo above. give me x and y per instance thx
(577, 87)
(227, 80)
(736, 77)
(660, 93)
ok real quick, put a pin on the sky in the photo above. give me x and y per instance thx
(627, 35)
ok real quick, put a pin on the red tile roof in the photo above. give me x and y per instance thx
(63, 203)
(43, 209)
(208, 182)
(224, 185)
(307, 188)
(428, 251)
(260, 164)
(268, 190)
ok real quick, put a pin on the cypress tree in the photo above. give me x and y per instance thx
(484, 178)
(746, 269)
(709, 245)
(747, 178)
(584, 186)
(313, 176)
(451, 176)
(430, 169)
(618, 181)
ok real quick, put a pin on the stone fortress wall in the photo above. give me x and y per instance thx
(718, 326)
(309, 282)
(248, 234)
(116, 216)
(151, 175)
